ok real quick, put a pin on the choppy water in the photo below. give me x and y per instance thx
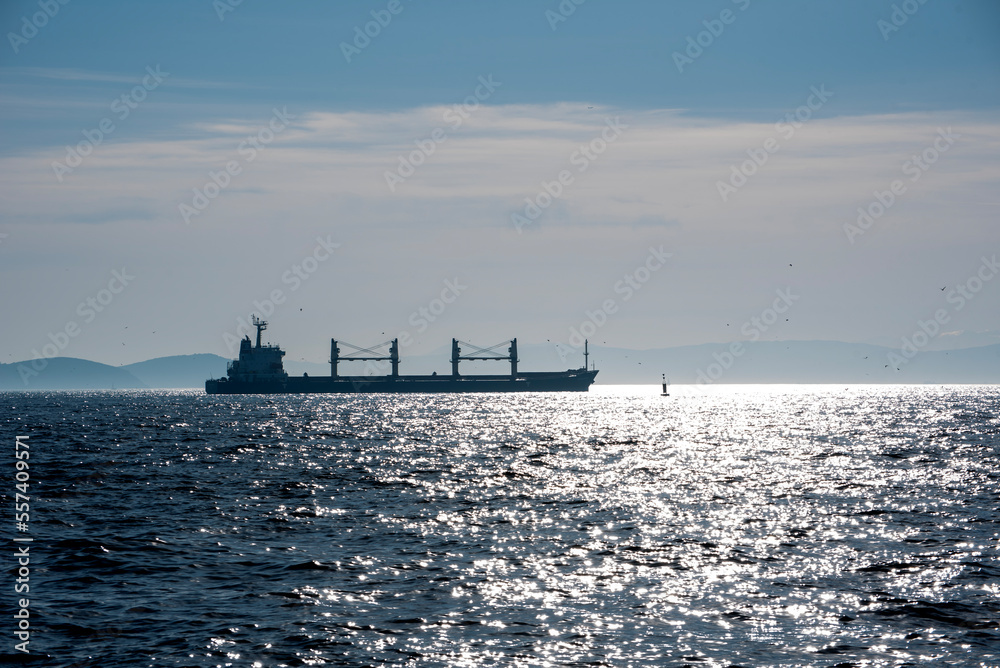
(753, 526)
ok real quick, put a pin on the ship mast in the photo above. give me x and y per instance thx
(586, 354)
(261, 325)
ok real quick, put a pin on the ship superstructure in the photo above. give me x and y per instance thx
(257, 363)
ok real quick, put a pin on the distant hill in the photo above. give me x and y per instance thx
(65, 373)
(758, 362)
(68, 373)
(179, 370)
(796, 362)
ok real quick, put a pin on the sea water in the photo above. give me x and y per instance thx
(720, 526)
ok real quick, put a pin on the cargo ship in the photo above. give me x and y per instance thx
(259, 370)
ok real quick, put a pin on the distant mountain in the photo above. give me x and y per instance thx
(179, 370)
(68, 373)
(65, 373)
(795, 362)
(747, 362)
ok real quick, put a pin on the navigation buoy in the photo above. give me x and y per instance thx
(665, 393)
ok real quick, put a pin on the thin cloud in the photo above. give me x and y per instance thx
(664, 168)
(71, 74)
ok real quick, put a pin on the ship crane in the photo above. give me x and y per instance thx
(486, 354)
(360, 354)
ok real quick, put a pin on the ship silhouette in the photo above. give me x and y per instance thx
(259, 370)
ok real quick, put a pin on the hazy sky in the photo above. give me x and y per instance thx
(668, 171)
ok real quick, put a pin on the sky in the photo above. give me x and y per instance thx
(645, 174)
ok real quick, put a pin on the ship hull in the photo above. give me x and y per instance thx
(565, 381)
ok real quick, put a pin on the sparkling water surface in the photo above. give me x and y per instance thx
(722, 526)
